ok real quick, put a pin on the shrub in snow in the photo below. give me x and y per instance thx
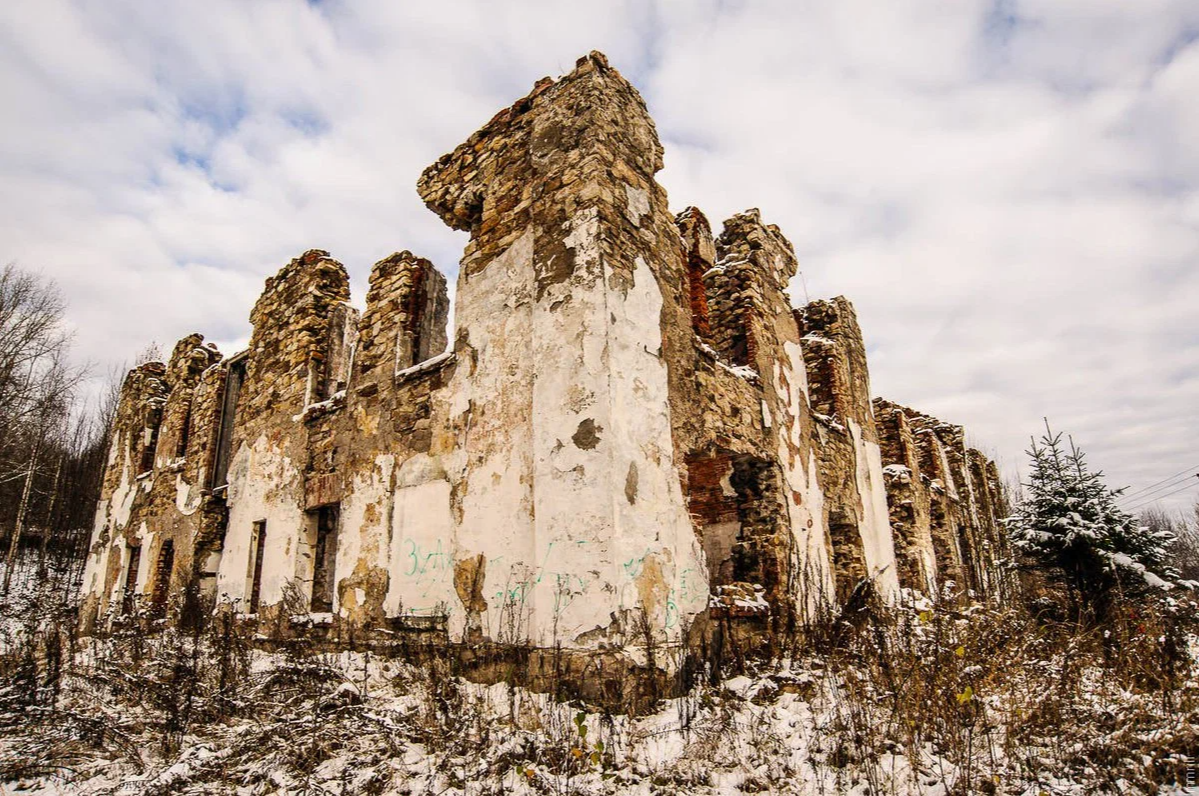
(1070, 526)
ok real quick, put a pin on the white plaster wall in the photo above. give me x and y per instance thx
(422, 550)
(814, 569)
(492, 462)
(97, 560)
(263, 485)
(363, 531)
(188, 496)
(148, 559)
(878, 545)
(598, 353)
(577, 587)
(112, 514)
(657, 521)
(121, 550)
(566, 551)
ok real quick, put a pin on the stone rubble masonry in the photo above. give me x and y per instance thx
(946, 503)
(632, 439)
(150, 495)
(856, 511)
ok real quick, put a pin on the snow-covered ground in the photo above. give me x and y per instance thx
(938, 702)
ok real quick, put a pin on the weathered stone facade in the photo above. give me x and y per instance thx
(632, 433)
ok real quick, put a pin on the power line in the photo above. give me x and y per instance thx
(1172, 482)
(1175, 482)
(1162, 497)
(1187, 471)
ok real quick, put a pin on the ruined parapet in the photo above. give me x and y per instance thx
(754, 264)
(761, 458)
(298, 340)
(134, 438)
(994, 549)
(835, 353)
(851, 467)
(407, 307)
(188, 362)
(141, 550)
(980, 536)
(953, 561)
(618, 452)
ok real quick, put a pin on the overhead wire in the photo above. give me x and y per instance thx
(1188, 471)
(1170, 485)
(1162, 497)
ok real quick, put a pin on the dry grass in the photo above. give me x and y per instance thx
(920, 698)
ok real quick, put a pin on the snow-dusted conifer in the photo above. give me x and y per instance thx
(1070, 524)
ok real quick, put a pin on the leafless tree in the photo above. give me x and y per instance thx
(1185, 549)
(38, 387)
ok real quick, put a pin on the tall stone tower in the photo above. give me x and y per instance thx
(570, 490)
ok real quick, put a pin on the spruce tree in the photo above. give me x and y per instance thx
(1070, 526)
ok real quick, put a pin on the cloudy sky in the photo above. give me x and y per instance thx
(1007, 189)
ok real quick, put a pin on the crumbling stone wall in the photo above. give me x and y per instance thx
(634, 440)
(405, 320)
(908, 501)
(152, 497)
(298, 339)
(851, 471)
(754, 328)
(946, 504)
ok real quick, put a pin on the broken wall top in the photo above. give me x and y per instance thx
(461, 186)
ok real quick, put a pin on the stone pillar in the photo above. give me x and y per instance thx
(753, 328)
(406, 311)
(907, 499)
(850, 460)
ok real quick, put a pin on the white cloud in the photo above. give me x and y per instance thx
(1008, 191)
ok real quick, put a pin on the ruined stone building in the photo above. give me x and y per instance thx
(630, 432)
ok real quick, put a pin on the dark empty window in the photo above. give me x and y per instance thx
(162, 579)
(184, 432)
(135, 557)
(324, 555)
(257, 551)
(233, 381)
(697, 294)
(849, 555)
(150, 438)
